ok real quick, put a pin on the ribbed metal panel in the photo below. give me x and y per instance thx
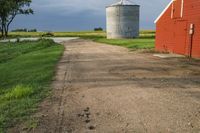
(122, 21)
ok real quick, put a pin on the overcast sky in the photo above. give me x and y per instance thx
(78, 15)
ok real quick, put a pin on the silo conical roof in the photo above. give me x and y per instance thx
(123, 2)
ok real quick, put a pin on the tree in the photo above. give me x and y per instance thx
(4, 13)
(98, 29)
(1, 27)
(10, 9)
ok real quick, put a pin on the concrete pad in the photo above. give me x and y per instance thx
(56, 39)
(168, 55)
(62, 39)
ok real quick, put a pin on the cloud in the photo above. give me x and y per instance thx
(94, 5)
(68, 7)
(72, 13)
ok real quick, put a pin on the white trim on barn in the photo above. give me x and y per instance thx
(172, 11)
(182, 6)
(163, 11)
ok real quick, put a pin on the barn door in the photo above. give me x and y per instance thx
(180, 34)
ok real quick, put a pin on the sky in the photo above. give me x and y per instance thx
(82, 15)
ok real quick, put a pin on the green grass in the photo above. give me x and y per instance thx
(26, 71)
(18, 92)
(137, 43)
(145, 41)
(83, 34)
(86, 34)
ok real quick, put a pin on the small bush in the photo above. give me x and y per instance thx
(98, 29)
(32, 30)
(48, 34)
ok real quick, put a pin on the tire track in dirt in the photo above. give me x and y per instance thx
(63, 97)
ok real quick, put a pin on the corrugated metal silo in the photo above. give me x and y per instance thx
(122, 20)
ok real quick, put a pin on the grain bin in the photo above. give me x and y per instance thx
(122, 20)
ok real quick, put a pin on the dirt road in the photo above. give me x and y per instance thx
(107, 89)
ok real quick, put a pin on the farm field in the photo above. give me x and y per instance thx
(84, 34)
(26, 71)
(145, 41)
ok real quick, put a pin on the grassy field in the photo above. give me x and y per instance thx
(145, 41)
(84, 34)
(137, 43)
(149, 33)
(26, 70)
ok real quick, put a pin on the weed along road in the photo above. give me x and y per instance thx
(109, 89)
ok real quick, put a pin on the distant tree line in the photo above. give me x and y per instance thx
(9, 9)
(24, 30)
(98, 29)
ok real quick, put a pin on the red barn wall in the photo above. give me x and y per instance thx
(172, 34)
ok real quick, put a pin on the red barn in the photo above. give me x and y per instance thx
(178, 28)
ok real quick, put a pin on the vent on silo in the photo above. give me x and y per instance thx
(122, 20)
